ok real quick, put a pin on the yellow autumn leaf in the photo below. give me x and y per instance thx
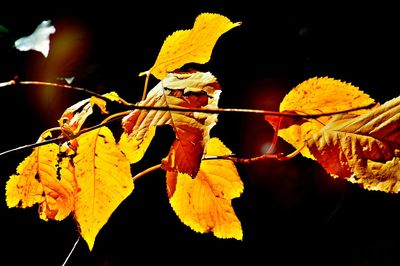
(318, 96)
(38, 180)
(191, 46)
(104, 180)
(204, 203)
(363, 149)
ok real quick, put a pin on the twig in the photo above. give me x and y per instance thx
(70, 253)
(34, 145)
(61, 138)
(277, 156)
(183, 109)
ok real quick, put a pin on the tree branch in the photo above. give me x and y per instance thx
(183, 109)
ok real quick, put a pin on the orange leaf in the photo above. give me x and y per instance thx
(191, 46)
(38, 181)
(317, 96)
(363, 149)
(204, 203)
(104, 180)
(190, 90)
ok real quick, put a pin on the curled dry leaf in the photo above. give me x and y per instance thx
(75, 116)
(191, 46)
(204, 203)
(192, 129)
(312, 97)
(363, 149)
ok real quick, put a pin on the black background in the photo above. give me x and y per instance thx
(290, 211)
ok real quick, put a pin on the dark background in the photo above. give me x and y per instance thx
(290, 211)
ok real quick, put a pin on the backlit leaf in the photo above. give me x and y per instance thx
(363, 149)
(316, 96)
(191, 46)
(104, 180)
(75, 116)
(204, 203)
(38, 180)
(190, 90)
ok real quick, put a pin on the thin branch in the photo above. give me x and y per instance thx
(183, 109)
(235, 159)
(62, 138)
(64, 86)
(277, 156)
(34, 145)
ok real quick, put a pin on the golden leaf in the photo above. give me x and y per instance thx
(363, 149)
(41, 178)
(191, 46)
(104, 180)
(317, 96)
(189, 90)
(204, 203)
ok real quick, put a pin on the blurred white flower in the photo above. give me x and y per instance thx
(38, 40)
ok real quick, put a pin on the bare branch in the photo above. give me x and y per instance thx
(183, 109)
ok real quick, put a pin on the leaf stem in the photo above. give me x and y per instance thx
(70, 253)
(275, 138)
(148, 170)
(291, 155)
(146, 83)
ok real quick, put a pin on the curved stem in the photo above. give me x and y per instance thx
(148, 170)
(291, 155)
(275, 138)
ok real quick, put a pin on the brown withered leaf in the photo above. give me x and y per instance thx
(190, 90)
(364, 149)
